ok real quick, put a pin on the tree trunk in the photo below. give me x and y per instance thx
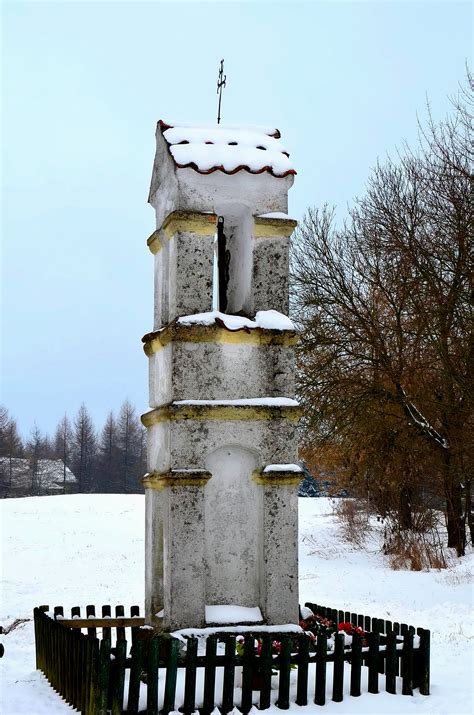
(468, 509)
(405, 514)
(454, 515)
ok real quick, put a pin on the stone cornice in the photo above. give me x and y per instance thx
(277, 478)
(219, 411)
(216, 333)
(201, 224)
(268, 227)
(176, 478)
(205, 224)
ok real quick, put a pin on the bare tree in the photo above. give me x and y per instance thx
(385, 365)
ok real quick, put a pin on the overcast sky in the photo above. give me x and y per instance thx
(83, 87)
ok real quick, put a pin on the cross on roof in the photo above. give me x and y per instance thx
(221, 83)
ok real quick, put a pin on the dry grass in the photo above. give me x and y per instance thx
(353, 520)
(415, 551)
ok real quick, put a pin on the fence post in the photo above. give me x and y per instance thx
(321, 656)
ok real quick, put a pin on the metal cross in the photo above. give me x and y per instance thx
(220, 85)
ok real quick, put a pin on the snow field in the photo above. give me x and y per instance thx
(89, 549)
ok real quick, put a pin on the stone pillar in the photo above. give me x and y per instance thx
(184, 260)
(270, 263)
(175, 543)
(280, 555)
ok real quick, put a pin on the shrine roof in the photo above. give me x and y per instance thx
(227, 148)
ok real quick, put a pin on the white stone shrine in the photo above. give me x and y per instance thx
(221, 487)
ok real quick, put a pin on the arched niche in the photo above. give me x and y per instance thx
(233, 514)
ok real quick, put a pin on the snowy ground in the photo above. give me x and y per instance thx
(82, 549)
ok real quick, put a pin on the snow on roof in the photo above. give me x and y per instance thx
(49, 473)
(227, 148)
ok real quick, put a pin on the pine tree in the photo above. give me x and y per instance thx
(84, 450)
(129, 442)
(11, 446)
(108, 478)
(63, 445)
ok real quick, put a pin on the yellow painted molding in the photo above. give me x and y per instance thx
(185, 221)
(175, 332)
(277, 478)
(191, 222)
(176, 478)
(274, 227)
(154, 242)
(218, 411)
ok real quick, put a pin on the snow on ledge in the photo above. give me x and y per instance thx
(233, 614)
(283, 468)
(251, 401)
(278, 215)
(267, 319)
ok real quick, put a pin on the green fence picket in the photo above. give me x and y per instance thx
(303, 660)
(374, 642)
(209, 676)
(321, 657)
(391, 663)
(171, 675)
(283, 702)
(229, 676)
(118, 677)
(356, 665)
(152, 676)
(407, 664)
(135, 673)
(190, 677)
(266, 669)
(424, 662)
(103, 678)
(338, 674)
(248, 670)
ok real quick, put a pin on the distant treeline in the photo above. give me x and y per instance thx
(109, 459)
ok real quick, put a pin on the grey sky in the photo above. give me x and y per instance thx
(83, 86)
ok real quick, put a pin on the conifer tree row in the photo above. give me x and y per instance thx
(109, 460)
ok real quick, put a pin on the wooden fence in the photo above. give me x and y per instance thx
(91, 673)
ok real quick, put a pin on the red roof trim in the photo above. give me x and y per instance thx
(241, 167)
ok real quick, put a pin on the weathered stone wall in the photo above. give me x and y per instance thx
(216, 371)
